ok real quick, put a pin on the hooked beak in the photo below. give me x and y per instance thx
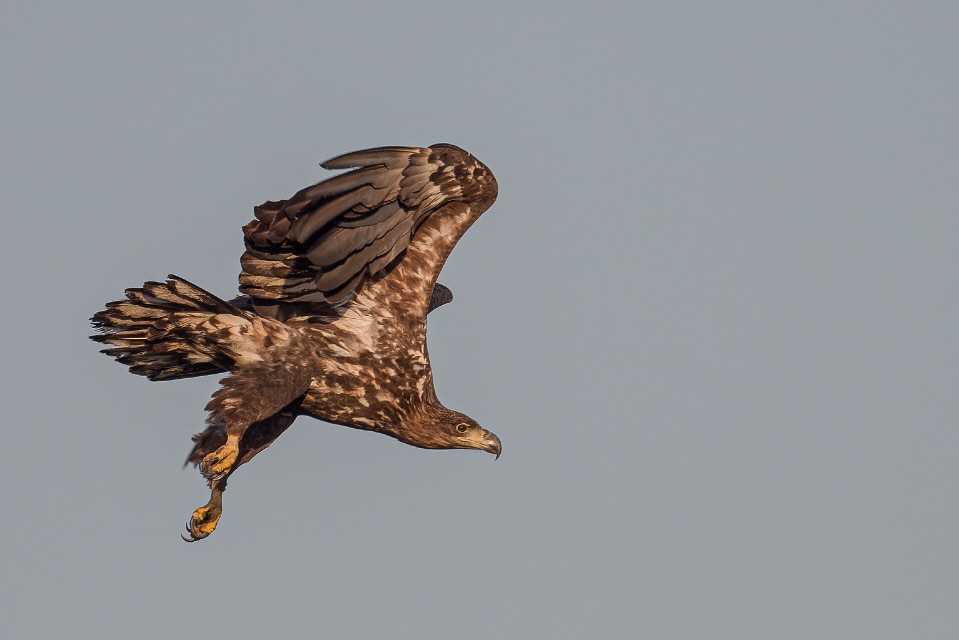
(492, 444)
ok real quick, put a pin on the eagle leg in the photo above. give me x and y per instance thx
(204, 520)
(242, 444)
(250, 395)
(256, 438)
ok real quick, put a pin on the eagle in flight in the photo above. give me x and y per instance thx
(336, 283)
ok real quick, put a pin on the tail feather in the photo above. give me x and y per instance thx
(162, 331)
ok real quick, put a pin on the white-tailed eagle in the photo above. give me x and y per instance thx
(337, 282)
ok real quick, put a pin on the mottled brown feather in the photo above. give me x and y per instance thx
(338, 281)
(352, 227)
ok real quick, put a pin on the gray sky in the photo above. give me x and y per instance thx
(712, 318)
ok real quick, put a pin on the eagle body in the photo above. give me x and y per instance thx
(379, 344)
(337, 282)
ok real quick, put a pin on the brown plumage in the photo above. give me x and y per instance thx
(337, 283)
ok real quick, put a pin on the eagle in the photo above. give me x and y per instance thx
(336, 284)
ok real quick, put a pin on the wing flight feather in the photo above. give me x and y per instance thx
(322, 244)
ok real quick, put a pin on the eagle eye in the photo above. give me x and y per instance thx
(462, 427)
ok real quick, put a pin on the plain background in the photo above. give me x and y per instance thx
(712, 317)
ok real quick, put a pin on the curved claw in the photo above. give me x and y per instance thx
(195, 533)
(190, 531)
(218, 464)
(198, 529)
(204, 520)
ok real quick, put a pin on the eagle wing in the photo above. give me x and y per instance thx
(315, 250)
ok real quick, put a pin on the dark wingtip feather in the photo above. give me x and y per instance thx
(369, 157)
(441, 295)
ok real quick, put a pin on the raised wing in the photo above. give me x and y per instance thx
(321, 245)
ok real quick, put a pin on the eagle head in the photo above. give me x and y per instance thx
(468, 435)
(442, 428)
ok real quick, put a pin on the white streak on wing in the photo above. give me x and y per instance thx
(230, 320)
(337, 349)
(419, 358)
(348, 368)
(359, 326)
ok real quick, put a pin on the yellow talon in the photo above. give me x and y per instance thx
(204, 520)
(219, 463)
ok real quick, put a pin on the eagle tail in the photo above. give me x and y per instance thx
(167, 330)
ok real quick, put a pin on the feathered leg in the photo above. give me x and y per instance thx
(250, 395)
(257, 437)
